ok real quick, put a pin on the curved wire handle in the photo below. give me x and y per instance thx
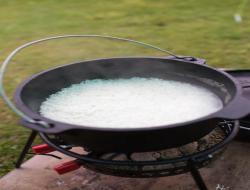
(13, 53)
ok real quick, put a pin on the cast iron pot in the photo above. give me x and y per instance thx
(35, 90)
(32, 92)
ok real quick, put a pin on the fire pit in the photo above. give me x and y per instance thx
(131, 164)
(187, 158)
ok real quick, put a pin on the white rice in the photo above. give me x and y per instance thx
(130, 103)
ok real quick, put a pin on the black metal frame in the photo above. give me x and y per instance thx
(197, 176)
(91, 161)
(193, 169)
(26, 148)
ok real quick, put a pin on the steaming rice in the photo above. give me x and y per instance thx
(130, 103)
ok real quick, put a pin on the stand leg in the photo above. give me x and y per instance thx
(197, 176)
(26, 148)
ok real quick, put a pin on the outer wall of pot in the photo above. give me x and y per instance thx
(137, 141)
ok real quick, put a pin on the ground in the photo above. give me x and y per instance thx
(199, 28)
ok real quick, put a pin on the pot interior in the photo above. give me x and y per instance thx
(36, 89)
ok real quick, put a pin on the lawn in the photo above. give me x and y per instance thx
(199, 28)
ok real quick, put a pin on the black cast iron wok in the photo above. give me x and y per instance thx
(32, 92)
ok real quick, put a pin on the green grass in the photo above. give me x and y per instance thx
(199, 28)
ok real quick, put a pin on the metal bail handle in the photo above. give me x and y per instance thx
(13, 53)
